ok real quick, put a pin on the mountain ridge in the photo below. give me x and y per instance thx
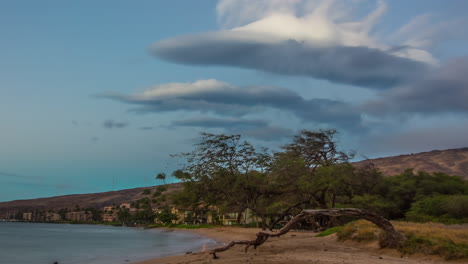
(449, 161)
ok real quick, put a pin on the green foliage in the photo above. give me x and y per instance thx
(429, 245)
(124, 215)
(161, 176)
(330, 231)
(62, 212)
(96, 214)
(440, 208)
(376, 203)
(409, 187)
(421, 238)
(310, 172)
(166, 217)
(146, 192)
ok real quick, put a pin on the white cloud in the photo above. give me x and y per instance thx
(320, 39)
(325, 22)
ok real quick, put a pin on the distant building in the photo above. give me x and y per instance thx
(110, 214)
(81, 216)
(204, 215)
(233, 218)
(125, 205)
(53, 217)
(27, 216)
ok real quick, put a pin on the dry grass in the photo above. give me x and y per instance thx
(456, 233)
(450, 242)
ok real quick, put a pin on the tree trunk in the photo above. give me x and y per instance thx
(392, 239)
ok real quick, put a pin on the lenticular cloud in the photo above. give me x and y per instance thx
(324, 43)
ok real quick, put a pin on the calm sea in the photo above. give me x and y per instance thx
(25, 243)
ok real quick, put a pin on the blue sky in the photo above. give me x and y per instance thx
(95, 95)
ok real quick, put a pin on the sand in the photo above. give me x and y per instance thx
(295, 247)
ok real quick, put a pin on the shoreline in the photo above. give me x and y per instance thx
(295, 247)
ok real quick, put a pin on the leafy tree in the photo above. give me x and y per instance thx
(96, 214)
(408, 187)
(440, 208)
(166, 217)
(317, 148)
(124, 215)
(219, 171)
(228, 172)
(161, 176)
(62, 212)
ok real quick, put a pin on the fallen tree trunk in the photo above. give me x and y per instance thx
(392, 238)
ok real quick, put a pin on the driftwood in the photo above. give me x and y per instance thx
(392, 238)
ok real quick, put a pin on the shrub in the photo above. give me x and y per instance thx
(440, 208)
(330, 231)
(450, 242)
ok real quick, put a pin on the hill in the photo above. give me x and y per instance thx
(95, 200)
(450, 161)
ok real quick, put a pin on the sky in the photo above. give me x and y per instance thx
(96, 95)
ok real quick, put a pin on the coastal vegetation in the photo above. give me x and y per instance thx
(450, 242)
(310, 172)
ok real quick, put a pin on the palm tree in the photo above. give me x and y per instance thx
(161, 176)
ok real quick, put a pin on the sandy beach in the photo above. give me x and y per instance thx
(293, 248)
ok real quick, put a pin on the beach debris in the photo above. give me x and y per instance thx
(392, 238)
(188, 252)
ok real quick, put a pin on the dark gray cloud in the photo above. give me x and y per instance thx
(207, 122)
(228, 100)
(146, 128)
(362, 66)
(445, 90)
(258, 129)
(111, 124)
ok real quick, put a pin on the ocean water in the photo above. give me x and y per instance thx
(38, 243)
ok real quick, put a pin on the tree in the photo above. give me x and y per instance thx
(222, 170)
(408, 187)
(166, 217)
(124, 215)
(161, 176)
(391, 238)
(227, 172)
(317, 148)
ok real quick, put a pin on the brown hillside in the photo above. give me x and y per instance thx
(95, 200)
(450, 161)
